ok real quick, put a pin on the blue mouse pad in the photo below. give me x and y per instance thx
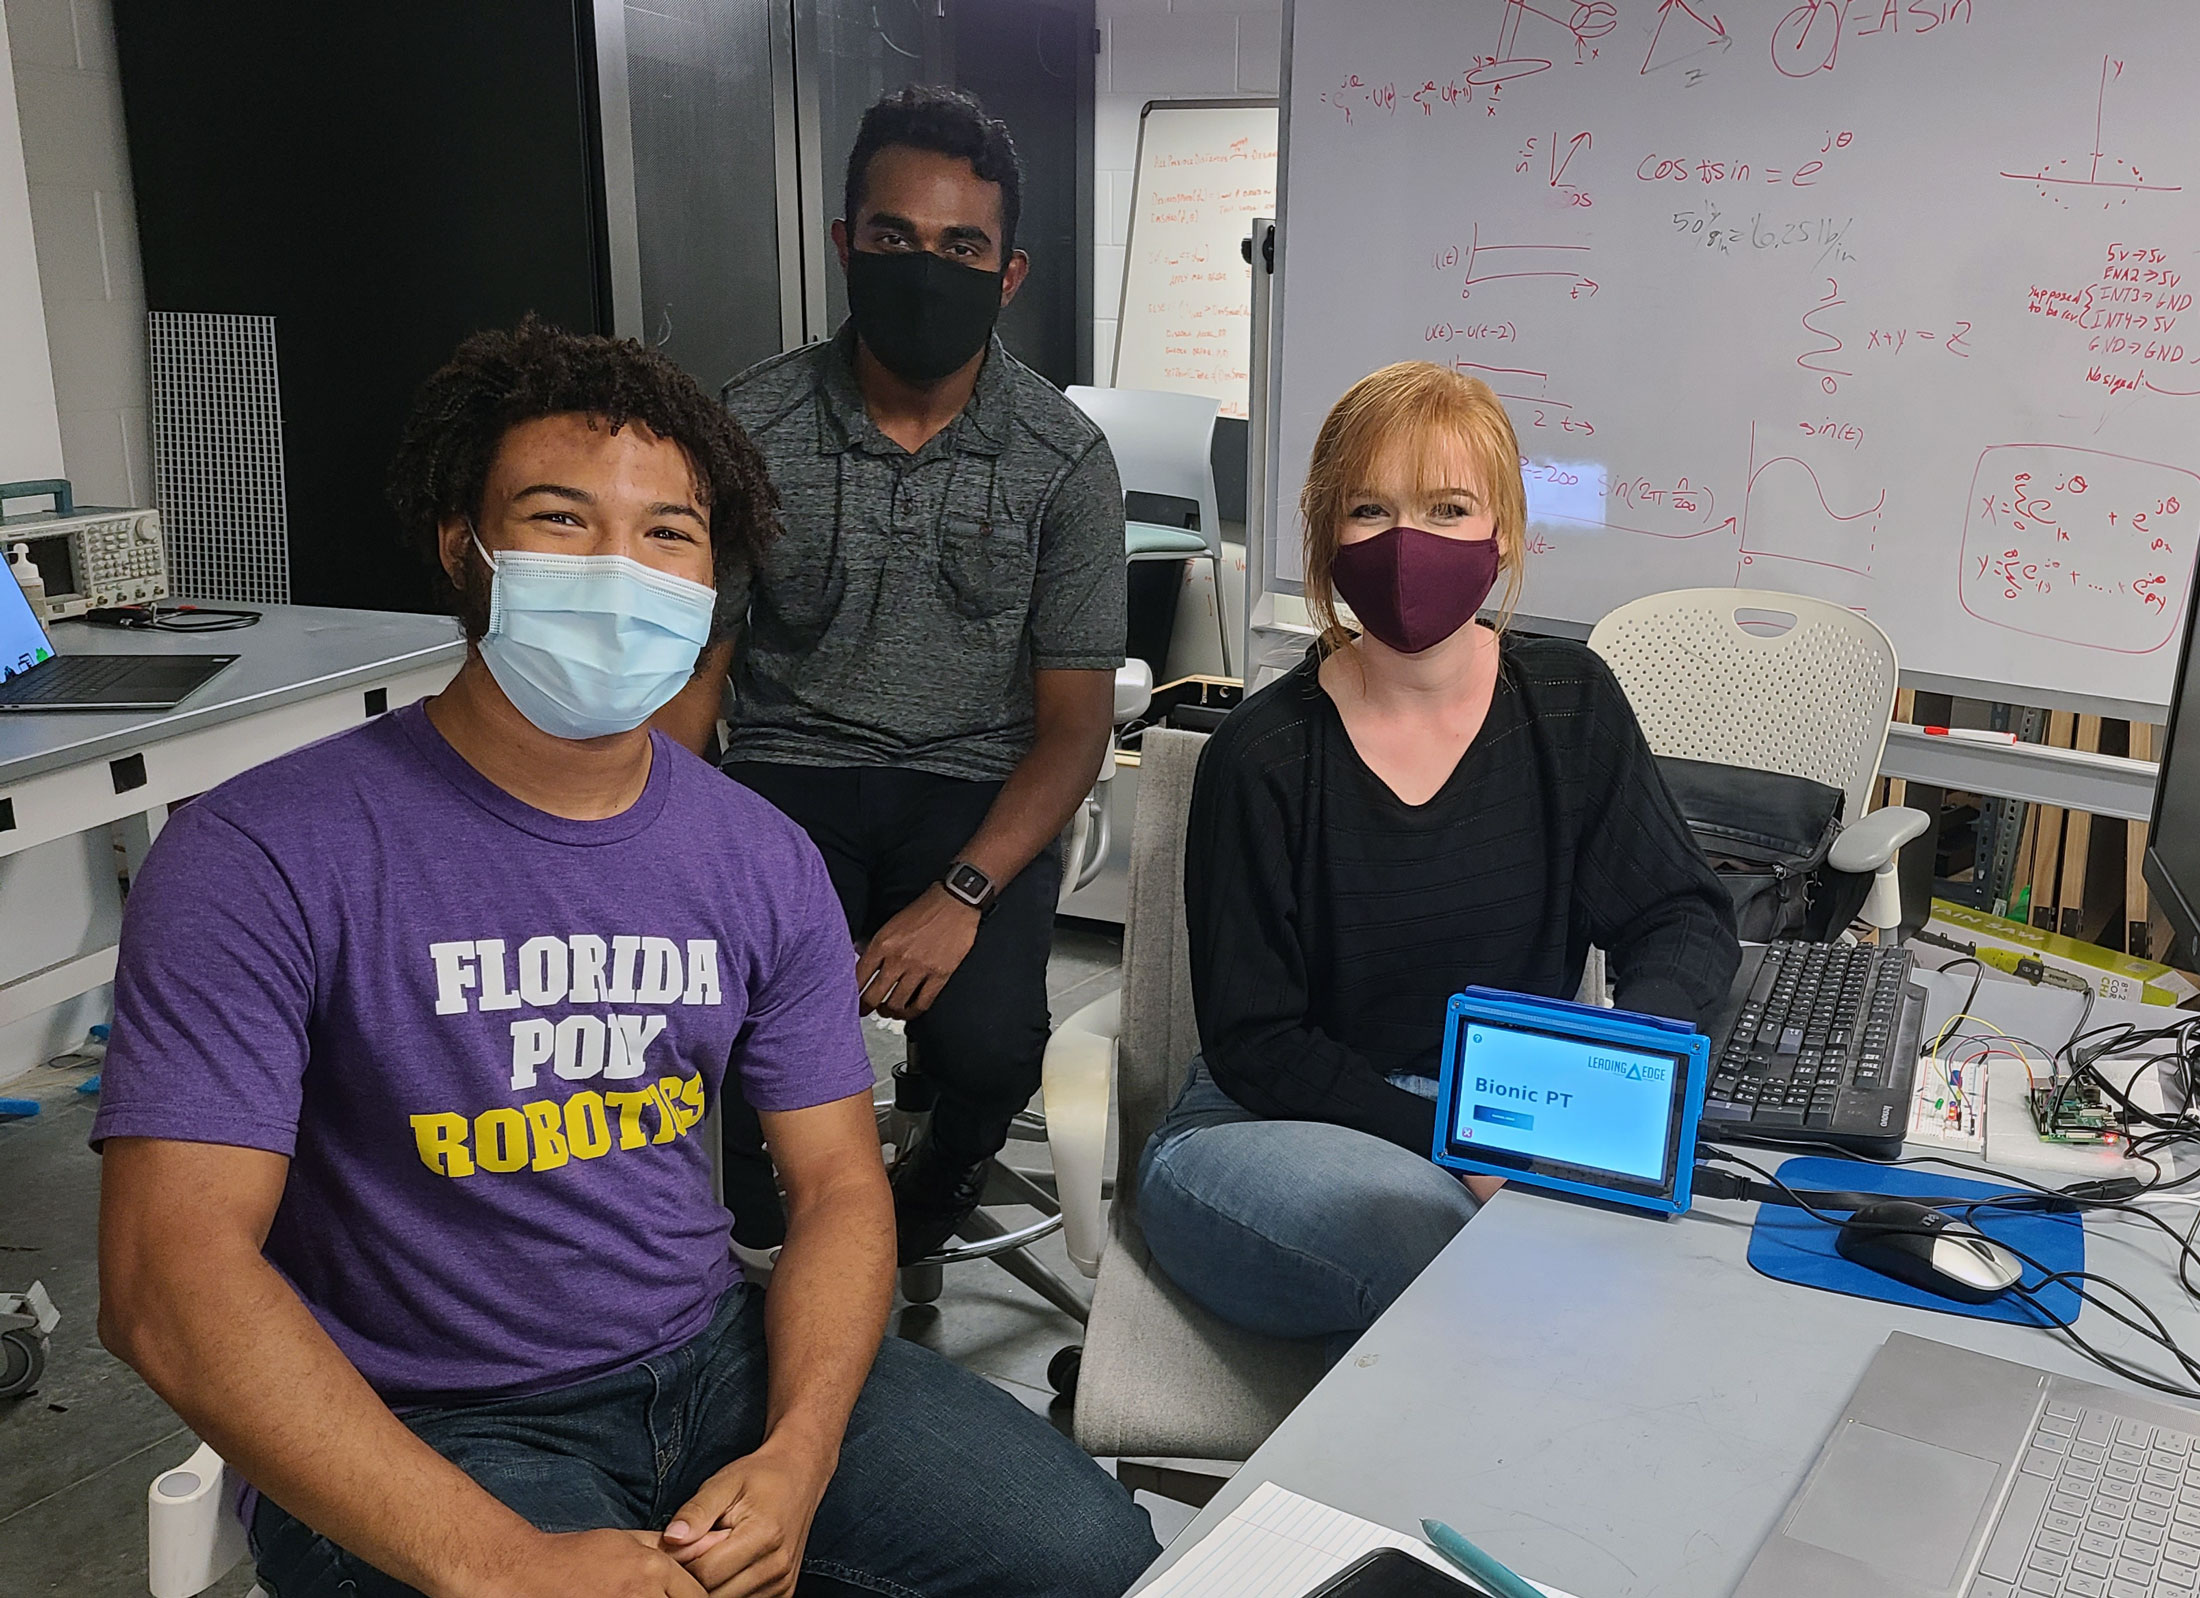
(1789, 1245)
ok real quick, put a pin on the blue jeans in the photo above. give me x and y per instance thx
(946, 1486)
(1289, 1228)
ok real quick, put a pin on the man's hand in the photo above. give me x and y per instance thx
(764, 1502)
(909, 959)
(1484, 1188)
(594, 1564)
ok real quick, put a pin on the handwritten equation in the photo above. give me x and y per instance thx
(1530, 38)
(1830, 430)
(2079, 545)
(2131, 313)
(1809, 39)
(1587, 494)
(1658, 168)
(1449, 332)
(1760, 235)
(1833, 358)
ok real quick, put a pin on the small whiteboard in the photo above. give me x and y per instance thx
(1206, 168)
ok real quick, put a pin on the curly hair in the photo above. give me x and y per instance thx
(947, 122)
(499, 379)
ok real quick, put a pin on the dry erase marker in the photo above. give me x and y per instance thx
(1969, 735)
(1487, 1572)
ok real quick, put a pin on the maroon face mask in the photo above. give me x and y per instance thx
(1413, 589)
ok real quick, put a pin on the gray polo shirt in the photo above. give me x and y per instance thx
(898, 619)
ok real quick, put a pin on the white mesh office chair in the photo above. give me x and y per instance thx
(1158, 1377)
(1163, 443)
(1778, 682)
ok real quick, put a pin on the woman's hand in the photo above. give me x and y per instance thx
(1484, 1188)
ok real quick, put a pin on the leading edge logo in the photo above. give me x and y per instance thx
(1631, 1070)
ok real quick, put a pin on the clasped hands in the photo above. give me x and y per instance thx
(740, 1536)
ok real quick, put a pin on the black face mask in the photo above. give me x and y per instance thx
(923, 316)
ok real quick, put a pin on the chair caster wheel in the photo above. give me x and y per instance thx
(921, 1284)
(1063, 1369)
(22, 1362)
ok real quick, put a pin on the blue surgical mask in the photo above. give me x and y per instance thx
(589, 645)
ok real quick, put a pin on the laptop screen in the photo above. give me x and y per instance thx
(23, 641)
(1587, 1102)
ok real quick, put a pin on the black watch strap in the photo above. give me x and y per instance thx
(973, 887)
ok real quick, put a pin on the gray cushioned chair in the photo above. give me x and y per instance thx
(1159, 1377)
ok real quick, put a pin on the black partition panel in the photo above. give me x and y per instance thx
(1031, 63)
(706, 208)
(382, 179)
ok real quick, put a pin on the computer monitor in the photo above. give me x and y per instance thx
(1598, 1103)
(2172, 864)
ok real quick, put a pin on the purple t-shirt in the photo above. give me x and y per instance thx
(486, 1038)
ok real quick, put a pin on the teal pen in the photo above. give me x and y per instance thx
(1491, 1575)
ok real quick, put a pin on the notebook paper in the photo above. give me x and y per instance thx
(1279, 1545)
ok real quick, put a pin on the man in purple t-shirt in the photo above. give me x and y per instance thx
(406, 1208)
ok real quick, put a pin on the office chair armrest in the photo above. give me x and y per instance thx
(1076, 1082)
(191, 1538)
(1133, 690)
(1872, 841)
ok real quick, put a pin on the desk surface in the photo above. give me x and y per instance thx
(1620, 1406)
(295, 652)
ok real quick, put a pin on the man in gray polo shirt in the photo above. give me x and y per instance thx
(926, 675)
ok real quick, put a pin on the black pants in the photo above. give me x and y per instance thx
(887, 835)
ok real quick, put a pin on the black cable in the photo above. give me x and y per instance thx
(2084, 1051)
(174, 618)
(1725, 1185)
(2159, 1334)
(1978, 977)
(2113, 1194)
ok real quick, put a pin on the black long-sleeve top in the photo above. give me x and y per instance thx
(1330, 921)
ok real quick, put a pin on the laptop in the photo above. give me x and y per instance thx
(1956, 1475)
(1595, 1103)
(34, 677)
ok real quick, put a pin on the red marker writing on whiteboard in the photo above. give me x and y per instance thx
(1970, 735)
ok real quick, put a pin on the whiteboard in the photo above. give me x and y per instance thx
(1205, 170)
(1886, 301)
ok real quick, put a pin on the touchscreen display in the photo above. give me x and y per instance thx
(1565, 1101)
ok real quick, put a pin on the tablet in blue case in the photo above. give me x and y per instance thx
(1599, 1103)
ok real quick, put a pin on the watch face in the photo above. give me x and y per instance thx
(968, 881)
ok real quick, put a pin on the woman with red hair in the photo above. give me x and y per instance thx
(1428, 803)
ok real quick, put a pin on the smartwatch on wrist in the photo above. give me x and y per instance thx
(973, 887)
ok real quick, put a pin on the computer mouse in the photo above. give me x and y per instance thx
(1928, 1249)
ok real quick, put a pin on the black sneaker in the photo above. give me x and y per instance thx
(932, 1196)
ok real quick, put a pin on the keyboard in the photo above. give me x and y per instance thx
(109, 682)
(2103, 1506)
(67, 677)
(1819, 1044)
